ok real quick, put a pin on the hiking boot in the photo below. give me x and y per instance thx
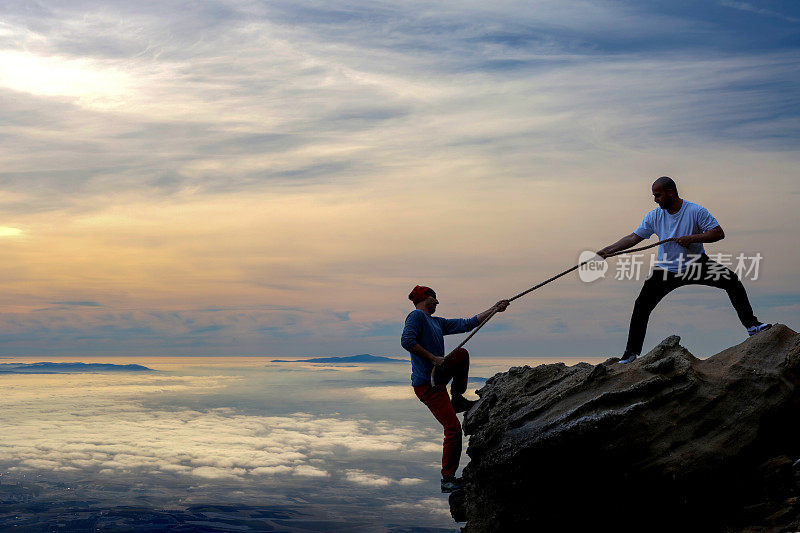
(628, 357)
(758, 328)
(452, 484)
(461, 404)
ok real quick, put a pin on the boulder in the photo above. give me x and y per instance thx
(669, 442)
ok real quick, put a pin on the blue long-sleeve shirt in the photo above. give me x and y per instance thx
(428, 332)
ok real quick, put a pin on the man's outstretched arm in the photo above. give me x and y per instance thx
(499, 307)
(622, 244)
(462, 325)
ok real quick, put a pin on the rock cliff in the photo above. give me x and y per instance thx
(667, 443)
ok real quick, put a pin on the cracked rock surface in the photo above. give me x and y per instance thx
(669, 442)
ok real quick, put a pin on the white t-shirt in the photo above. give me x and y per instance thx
(689, 220)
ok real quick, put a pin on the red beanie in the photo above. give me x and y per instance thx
(419, 293)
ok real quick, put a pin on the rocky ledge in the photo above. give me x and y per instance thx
(667, 443)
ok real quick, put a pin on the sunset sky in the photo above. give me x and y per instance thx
(272, 178)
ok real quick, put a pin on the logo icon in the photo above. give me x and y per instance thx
(593, 267)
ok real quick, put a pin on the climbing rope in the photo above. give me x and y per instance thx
(545, 282)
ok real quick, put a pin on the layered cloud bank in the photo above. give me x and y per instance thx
(232, 434)
(112, 430)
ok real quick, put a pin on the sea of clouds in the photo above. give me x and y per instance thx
(320, 439)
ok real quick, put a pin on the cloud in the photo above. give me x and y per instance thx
(271, 470)
(430, 447)
(362, 477)
(434, 505)
(365, 478)
(557, 326)
(750, 8)
(108, 429)
(309, 471)
(388, 393)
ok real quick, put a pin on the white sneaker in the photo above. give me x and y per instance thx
(758, 328)
(628, 358)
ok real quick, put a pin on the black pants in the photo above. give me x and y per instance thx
(662, 282)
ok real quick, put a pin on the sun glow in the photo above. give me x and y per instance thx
(6, 231)
(94, 84)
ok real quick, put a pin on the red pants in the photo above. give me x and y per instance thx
(455, 367)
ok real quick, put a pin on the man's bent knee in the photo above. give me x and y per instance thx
(458, 357)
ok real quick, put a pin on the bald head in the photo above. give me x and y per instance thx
(665, 182)
(665, 194)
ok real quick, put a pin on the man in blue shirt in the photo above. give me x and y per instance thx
(423, 337)
(680, 262)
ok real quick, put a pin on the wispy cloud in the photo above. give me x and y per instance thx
(365, 478)
(750, 8)
(79, 303)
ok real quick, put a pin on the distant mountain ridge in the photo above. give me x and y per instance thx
(66, 368)
(361, 358)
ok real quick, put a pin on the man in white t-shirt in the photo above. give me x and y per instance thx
(680, 262)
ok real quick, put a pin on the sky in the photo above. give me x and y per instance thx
(272, 178)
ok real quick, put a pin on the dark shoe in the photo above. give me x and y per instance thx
(452, 484)
(758, 328)
(461, 404)
(628, 357)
